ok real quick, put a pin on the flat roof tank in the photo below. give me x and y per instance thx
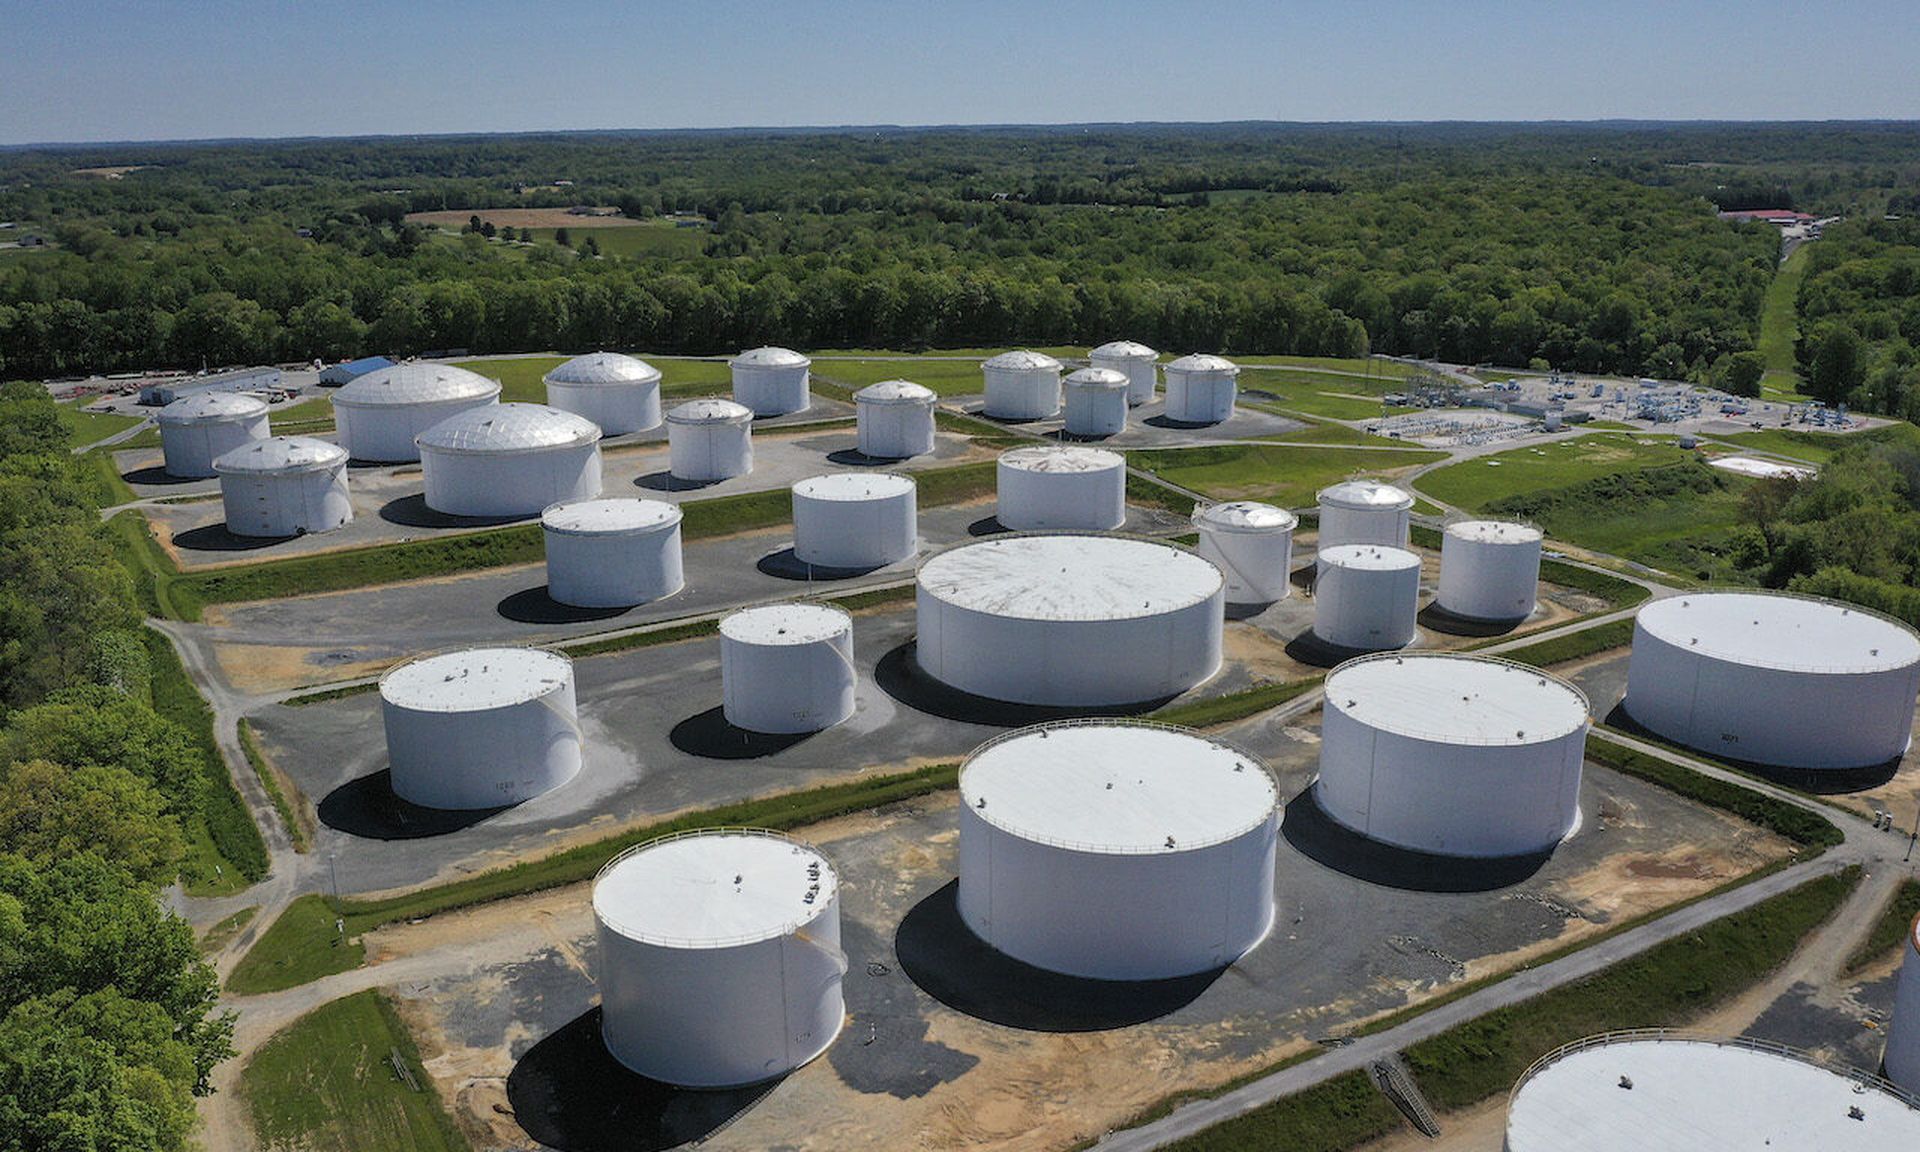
(613, 552)
(480, 728)
(851, 521)
(787, 668)
(1489, 570)
(1366, 597)
(1061, 487)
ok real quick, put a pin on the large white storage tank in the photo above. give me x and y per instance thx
(379, 415)
(710, 439)
(1021, 386)
(1096, 402)
(1772, 678)
(196, 430)
(619, 393)
(720, 959)
(1070, 620)
(480, 728)
(855, 520)
(1489, 570)
(1363, 512)
(613, 552)
(1135, 362)
(895, 419)
(771, 381)
(1252, 545)
(1117, 850)
(1902, 1058)
(1452, 754)
(1059, 486)
(509, 460)
(1201, 389)
(787, 668)
(284, 486)
(1366, 597)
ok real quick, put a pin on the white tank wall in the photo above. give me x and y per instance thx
(1022, 393)
(614, 570)
(894, 431)
(1200, 397)
(1095, 411)
(786, 688)
(1256, 564)
(1142, 375)
(616, 408)
(1340, 525)
(868, 533)
(521, 483)
(1366, 609)
(1486, 579)
(386, 434)
(709, 452)
(483, 759)
(1902, 1057)
(191, 449)
(286, 504)
(772, 391)
(1093, 500)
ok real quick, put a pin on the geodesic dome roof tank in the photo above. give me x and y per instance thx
(196, 430)
(480, 728)
(710, 439)
(284, 486)
(379, 415)
(1135, 361)
(1021, 386)
(1096, 402)
(1363, 512)
(771, 381)
(895, 419)
(509, 460)
(1201, 389)
(618, 393)
(1252, 545)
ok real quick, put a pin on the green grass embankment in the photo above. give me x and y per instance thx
(1889, 932)
(270, 782)
(1573, 645)
(224, 847)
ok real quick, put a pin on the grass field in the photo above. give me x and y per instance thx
(1779, 328)
(1341, 1113)
(521, 378)
(1819, 447)
(303, 418)
(1474, 484)
(662, 239)
(1282, 474)
(224, 849)
(1573, 645)
(946, 377)
(87, 427)
(299, 947)
(1335, 434)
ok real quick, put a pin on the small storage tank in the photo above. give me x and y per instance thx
(1022, 386)
(1252, 545)
(480, 728)
(1201, 389)
(379, 415)
(1902, 1059)
(1135, 362)
(1117, 850)
(509, 460)
(196, 430)
(1366, 597)
(1096, 402)
(1489, 570)
(284, 486)
(771, 381)
(1452, 754)
(855, 520)
(613, 552)
(710, 440)
(787, 668)
(895, 419)
(720, 959)
(618, 393)
(1058, 486)
(1363, 512)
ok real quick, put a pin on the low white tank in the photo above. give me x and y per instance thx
(1252, 545)
(613, 552)
(710, 439)
(509, 460)
(852, 520)
(1489, 570)
(1096, 402)
(380, 415)
(1363, 512)
(1022, 386)
(1055, 486)
(895, 419)
(284, 486)
(616, 392)
(771, 381)
(1135, 361)
(196, 430)
(480, 728)
(787, 668)
(1366, 597)
(1201, 389)
(720, 960)
(1902, 1059)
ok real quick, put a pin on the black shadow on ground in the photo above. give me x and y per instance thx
(900, 677)
(1247, 611)
(368, 808)
(1165, 421)
(1325, 841)
(784, 565)
(854, 458)
(569, 1093)
(537, 606)
(986, 526)
(412, 512)
(668, 482)
(979, 411)
(1302, 577)
(157, 476)
(1440, 620)
(1310, 649)
(708, 735)
(216, 538)
(1819, 781)
(1066, 437)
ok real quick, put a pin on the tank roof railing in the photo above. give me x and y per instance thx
(661, 939)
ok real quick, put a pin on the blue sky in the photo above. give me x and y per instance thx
(88, 70)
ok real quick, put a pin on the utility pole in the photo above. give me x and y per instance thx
(1910, 839)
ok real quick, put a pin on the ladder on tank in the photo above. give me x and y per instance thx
(1393, 1080)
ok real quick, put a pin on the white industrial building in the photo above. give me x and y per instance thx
(1902, 1057)
(480, 728)
(1363, 512)
(709, 440)
(1772, 678)
(1366, 597)
(1252, 545)
(1201, 389)
(1096, 402)
(855, 520)
(509, 460)
(616, 392)
(1489, 570)
(894, 419)
(772, 381)
(284, 486)
(1452, 754)
(787, 668)
(720, 960)
(1070, 620)
(613, 552)
(381, 414)
(1117, 850)
(1061, 487)
(196, 430)
(1021, 386)
(1135, 361)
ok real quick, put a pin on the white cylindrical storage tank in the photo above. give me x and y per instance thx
(480, 728)
(855, 520)
(1452, 754)
(284, 486)
(1070, 621)
(1096, 402)
(1252, 545)
(1363, 512)
(196, 430)
(1021, 386)
(1201, 389)
(786, 668)
(1055, 486)
(895, 419)
(509, 460)
(720, 959)
(1135, 362)
(771, 381)
(1366, 597)
(709, 440)
(613, 552)
(1117, 850)
(1902, 1059)
(379, 415)
(1489, 570)
(1772, 678)
(616, 392)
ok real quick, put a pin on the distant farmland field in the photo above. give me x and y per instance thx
(616, 235)
(525, 218)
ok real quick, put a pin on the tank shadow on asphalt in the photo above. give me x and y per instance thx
(1819, 781)
(900, 677)
(1440, 620)
(537, 606)
(708, 735)
(986, 526)
(412, 512)
(784, 565)
(668, 482)
(216, 538)
(156, 475)
(367, 807)
(854, 458)
(1319, 838)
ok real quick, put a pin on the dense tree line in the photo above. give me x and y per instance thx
(1859, 313)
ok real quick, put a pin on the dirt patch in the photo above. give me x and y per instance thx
(523, 218)
(260, 668)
